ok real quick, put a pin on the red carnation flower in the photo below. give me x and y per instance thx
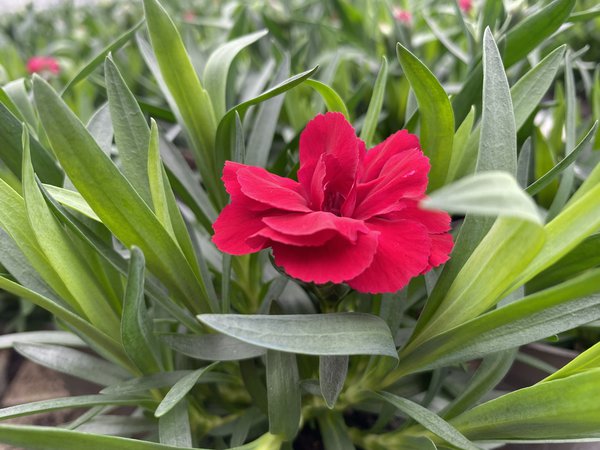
(353, 216)
(402, 15)
(37, 64)
(465, 5)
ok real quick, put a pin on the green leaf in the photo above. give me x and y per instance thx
(226, 140)
(332, 375)
(492, 269)
(547, 178)
(115, 201)
(261, 136)
(71, 199)
(334, 431)
(584, 16)
(534, 317)
(132, 134)
(136, 328)
(161, 380)
(82, 401)
(41, 337)
(566, 408)
(105, 344)
(187, 184)
(217, 67)
(429, 420)
(567, 181)
(524, 163)
(368, 130)
(194, 107)
(174, 427)
(49, 438)
(490, 372)
(575, 223)
(519, 42)
(460, 158)
(283, 394)
(101, 128)
(492, 193)
(534, 29)
(527, 93)
(72, 362)
(332, 99)
(498, 143)
(17, 264)
(435, 111)
(11, 150)
(60, 252)
(212, 347)
(99, 58)
(157, 188)
(180, 390)
(584, 256)
(310, 334)
(588, 360)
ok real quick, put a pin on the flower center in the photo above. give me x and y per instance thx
(333, 202)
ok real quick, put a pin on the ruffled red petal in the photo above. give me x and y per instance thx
(336, 261)
(403, 253)
(330, 141)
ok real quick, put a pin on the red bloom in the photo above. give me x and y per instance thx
(465, 5)
(403, 16)
(38, 64)
(353, 216)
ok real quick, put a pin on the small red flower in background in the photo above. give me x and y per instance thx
(403, 16)
(37, 64)
(189, 16)
(465, 5)
(353, 216)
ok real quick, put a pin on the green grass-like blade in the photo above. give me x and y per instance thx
(368, 130)
(194, 106)
(132, 134)
(437, 117)
(136, 327)
(97, 60)
(217, 69)
(113, 198)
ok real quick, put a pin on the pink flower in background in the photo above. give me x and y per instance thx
(465, 5)
(189, 16)
(402, 16)
(353, 216)
(37, 64)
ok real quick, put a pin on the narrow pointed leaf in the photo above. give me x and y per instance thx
(332, 375)
(174, 427)
(368, 130)
(488, 193)
(217, 69)
(212, 347)
(72, 362)
(311, 334)
(132, 134)
(332, 99)
(429, 420)
(562, 409)
(180, 390)
(116, 202)
(283, 394)
(435, 111)
(49, 438)
(97, 60)
(136, 329)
